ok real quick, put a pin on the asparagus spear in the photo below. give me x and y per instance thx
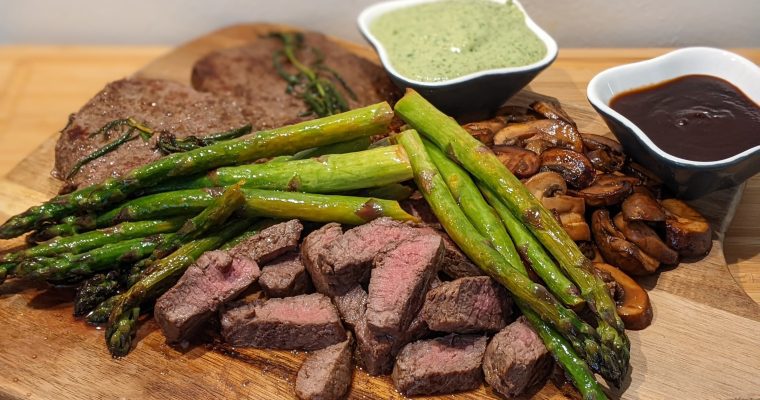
(582, 336)
(350, 125)
(70, 267)
(326, 174)
(163, 274)
(540, 262)
(94, 291)
(99, 315)
(574, 366)
(482, 216)
(91, 240)
(484, 166)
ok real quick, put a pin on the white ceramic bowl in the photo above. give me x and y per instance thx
(687, 178)
(479, 91)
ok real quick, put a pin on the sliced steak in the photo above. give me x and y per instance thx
(467, 305)
(348, 259)
(271, 242)
(326, 374)
(214, 279)
(352, 306)
(374, 353)
(516, 359)
(248, 77)
(305, 322)
(399, 281)
(160, 104)
(455, 264)
(444, 365)
(313, 249)
(285, 276)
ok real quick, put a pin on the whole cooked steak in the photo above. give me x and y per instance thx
(248, 76)
(161, 105)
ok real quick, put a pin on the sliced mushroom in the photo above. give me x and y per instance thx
(515, 134)
(647, 177)
(604, 153)
(553, 110)
(633, 305)
(642, 235)
(588, 248)
(686, 230)
(607, 190)
(521, 162)
(546, 184)
(573, 166)
(616, 249)
(485, 130)
(641, 206)
(575, 226)
(565, 204)
(537, 146)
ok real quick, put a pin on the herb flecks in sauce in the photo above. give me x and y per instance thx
(694, 117)
(451, 38)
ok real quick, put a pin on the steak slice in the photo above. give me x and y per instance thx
(467, 305)
(284, 277)
(442, 365)
(271, 242)
(247, 76)
(313, 249)
(374, 352)
(162, 105)
(305, 322)
(352, 306)
(348, 259)
(455, 264)
(399, 282)
(516, 359)
(212, 280)
(326, 374)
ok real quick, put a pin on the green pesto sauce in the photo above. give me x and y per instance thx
(450, 38)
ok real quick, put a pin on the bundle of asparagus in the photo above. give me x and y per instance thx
(461, 207)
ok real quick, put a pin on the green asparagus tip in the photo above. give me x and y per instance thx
(119, 334)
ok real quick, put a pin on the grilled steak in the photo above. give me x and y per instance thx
(352, 306)
(160, 104)
(516, 359)
(312, 250)
(214, 279)
(443, 365)
(305, 322)
(247, 76)
(467, 305)
(455, 264)
(271, 242)
(326, 373)
(284, 277)
(374, 353)
(399, 281)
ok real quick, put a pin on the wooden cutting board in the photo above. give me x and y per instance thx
(703, 343)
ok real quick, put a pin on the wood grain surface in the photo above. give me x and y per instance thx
(703, 343)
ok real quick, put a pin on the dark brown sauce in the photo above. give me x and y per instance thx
(694, 117)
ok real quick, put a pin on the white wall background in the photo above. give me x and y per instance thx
(575, 23)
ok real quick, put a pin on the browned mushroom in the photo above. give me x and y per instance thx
(573, 166)
(616, 249)
(633, 305)
(647, 177)
(641, 206)
(516, 133)
(521, 162)
(607, 190)
(485, 130)
(546, 184)
(642, 235)
(565, 204)
(686, 230)
(588, 248)
(552, 110)
(537, 146)
(575, 226)
(604, 153)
